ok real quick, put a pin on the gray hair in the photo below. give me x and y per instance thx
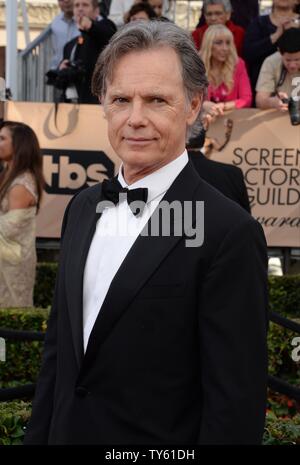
(145, 35)
(194, 130)
(226, 4)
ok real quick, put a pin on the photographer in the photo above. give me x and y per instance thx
(63, 29)
(275, 82)
(80, 54)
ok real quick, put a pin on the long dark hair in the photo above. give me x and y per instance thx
(26, 157)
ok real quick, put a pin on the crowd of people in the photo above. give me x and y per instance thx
(246, 55)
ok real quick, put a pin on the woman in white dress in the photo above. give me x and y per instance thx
(21, 186)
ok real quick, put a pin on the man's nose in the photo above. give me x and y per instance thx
(137, 115)
(293, 67)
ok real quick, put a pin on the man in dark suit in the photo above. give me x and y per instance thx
(155, 336)
(228, 179)
(80, 54)
(243, 12)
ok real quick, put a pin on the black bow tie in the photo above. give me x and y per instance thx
(111, 190)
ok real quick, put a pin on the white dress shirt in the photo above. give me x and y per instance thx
(116, 231)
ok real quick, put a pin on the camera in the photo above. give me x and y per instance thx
(294, 110)
(64, 78)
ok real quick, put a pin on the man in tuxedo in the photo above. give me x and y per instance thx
(154, 338)
(228, 179)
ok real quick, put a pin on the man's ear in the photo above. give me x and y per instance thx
(101, 101)
(195, 107)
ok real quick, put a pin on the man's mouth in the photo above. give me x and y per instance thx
(138, 140)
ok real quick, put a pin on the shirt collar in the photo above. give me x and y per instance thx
(66, 20)
(159, 181)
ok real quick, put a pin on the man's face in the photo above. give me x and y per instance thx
(157, 6)
(284, 3)
(84, 8)
(291, 62)
(216, 14)
(66, 6)
(140, 15)
(147, 109)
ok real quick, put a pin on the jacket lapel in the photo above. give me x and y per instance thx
(80, 242)
(134, 272)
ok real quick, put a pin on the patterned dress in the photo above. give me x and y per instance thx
(17, 248)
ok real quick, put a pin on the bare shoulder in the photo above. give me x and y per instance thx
(20, 197)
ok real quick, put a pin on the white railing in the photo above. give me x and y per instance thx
(33, 63)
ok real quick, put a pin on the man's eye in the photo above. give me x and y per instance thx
(120, 100)
(158, 100)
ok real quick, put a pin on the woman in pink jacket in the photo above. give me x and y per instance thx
(229, 85)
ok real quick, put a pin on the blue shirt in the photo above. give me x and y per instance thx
(62, 30)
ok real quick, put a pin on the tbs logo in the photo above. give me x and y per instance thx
(69, 171)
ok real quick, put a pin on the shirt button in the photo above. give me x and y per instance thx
(81, 391)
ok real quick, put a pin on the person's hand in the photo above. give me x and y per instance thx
(207, 119)
(278, 33)
(279, 104)
(292, 23)
(284, 23)
(214, 109)
(64, 64)
(84, 23)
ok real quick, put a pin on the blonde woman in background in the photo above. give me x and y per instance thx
(21, 185)
(229, 85)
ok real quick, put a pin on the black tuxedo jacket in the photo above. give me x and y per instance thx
(87, 49)
(228, 179)
(178, 352)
